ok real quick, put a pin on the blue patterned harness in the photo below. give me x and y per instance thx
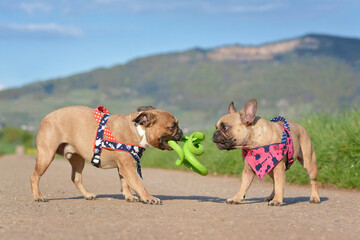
(100, 143)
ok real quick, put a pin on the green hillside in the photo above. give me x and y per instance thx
(295, 77)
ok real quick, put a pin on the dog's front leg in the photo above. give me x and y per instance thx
(279, 177)
(125, 189)
(269, 198)
(247, 177)
(127, 169)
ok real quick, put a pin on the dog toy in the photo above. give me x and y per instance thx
(186, 154)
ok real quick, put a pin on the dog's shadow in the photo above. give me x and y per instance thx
(196, 197)
(287, 201)
(169, 198)
(162, 197)
(291, 201)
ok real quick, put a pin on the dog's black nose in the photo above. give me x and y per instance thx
(216, 136)
(179, 135)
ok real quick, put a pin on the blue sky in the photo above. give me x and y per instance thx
(45, 39)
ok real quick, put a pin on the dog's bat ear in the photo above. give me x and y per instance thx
(145, 108)
(145, 118)
(247, 114)
(232, 108)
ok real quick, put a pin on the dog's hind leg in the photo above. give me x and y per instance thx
(308, 161)
(47, 142)
(312, 171)
(44, 156)
(77, 164)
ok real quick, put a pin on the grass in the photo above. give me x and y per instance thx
(336, 141)
(337, 145)
(10, 137)
(7, 148)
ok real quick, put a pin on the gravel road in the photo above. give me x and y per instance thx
(193, 207)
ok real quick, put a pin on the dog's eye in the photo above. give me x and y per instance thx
(225, 127)
(172, 128)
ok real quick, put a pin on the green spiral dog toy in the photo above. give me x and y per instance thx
(186, 154)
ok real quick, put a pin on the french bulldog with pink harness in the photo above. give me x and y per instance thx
(267, 148)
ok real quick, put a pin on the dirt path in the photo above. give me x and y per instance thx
(193, 208)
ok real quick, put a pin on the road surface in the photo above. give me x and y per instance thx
(193, 207)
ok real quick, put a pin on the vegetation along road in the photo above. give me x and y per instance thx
(193, 207)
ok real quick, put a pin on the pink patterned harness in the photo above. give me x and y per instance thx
(263, 159)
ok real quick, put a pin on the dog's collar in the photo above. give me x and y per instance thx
(263, 159)
(110, 141)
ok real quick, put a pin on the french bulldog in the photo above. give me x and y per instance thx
(247, 131)
(70, 132)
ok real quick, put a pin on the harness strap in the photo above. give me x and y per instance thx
(286, 125)
(111, 144)
(286, 138)
(99, 140)
(289, 145)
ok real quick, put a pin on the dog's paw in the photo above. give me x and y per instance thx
(275, 203)
(90, 196)
(268, 199)
(152, 200)
(131, 198)
(314, 200)
(41, 199)
(233, 201)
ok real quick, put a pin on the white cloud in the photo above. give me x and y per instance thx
(39, 30)
(65, 7)
(33, 7)
(1, 87)
(212, 7)
(259, 8)
(237, 8)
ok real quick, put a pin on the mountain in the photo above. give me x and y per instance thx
(294, 77)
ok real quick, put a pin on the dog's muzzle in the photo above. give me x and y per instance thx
(163, 145)
(221, 141)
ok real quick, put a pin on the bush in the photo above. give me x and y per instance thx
(10, 137)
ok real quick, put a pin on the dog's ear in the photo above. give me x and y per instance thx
(145, 108)
(247, 114)
(145, 118)
(232, 108)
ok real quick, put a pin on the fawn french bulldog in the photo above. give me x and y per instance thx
(268, 148)
(70, 132)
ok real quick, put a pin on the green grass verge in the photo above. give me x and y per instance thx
(6, 148)
(10, 137)
(337, 145)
